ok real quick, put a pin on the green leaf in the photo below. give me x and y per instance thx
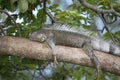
(23, 5)
(30, 66)
(48, 1)
(53, 6)
(32, 1)
(40, 13)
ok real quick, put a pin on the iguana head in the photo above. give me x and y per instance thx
(41, 37)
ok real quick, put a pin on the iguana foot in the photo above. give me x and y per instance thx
(55, 63)
(98, 74)
(89, 51)
(97, 65)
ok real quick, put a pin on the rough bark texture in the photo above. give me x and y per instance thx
(26, 48)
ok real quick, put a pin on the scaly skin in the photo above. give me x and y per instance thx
(74, 39)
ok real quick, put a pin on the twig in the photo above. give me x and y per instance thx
(111, 5)
(2, 31)
(101, 11)
(53, 20)
(44, 11)
(97, 10)
(114, 37)
(106, 26)
(3, 11)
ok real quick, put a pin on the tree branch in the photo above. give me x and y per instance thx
(4, 11)
(97, 10)
(106, 27)
(26, 48)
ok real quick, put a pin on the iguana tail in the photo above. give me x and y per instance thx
(101, 45)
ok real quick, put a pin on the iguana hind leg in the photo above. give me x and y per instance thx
(89, 51)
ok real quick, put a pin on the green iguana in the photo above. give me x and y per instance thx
(60, 34)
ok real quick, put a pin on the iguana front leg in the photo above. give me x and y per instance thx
(89, 51)
(51, 44)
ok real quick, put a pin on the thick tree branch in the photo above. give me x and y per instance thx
(26, 48)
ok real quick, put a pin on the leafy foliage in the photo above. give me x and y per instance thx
(75, 15)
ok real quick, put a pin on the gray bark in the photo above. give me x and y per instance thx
(35, 50)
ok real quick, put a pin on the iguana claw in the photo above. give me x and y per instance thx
(55, 63)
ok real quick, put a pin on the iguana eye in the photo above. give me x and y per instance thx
(42, 37)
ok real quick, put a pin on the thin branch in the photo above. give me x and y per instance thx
(111, 4)
(112, 21)
(114, 37)
(94, 8)
(2, 31)
(14, 46)
(44, 11)
(106, 26)
(117, 38)
(53, 20)
(101, 11)
(4, 11)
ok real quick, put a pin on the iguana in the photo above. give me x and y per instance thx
(60, 34)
